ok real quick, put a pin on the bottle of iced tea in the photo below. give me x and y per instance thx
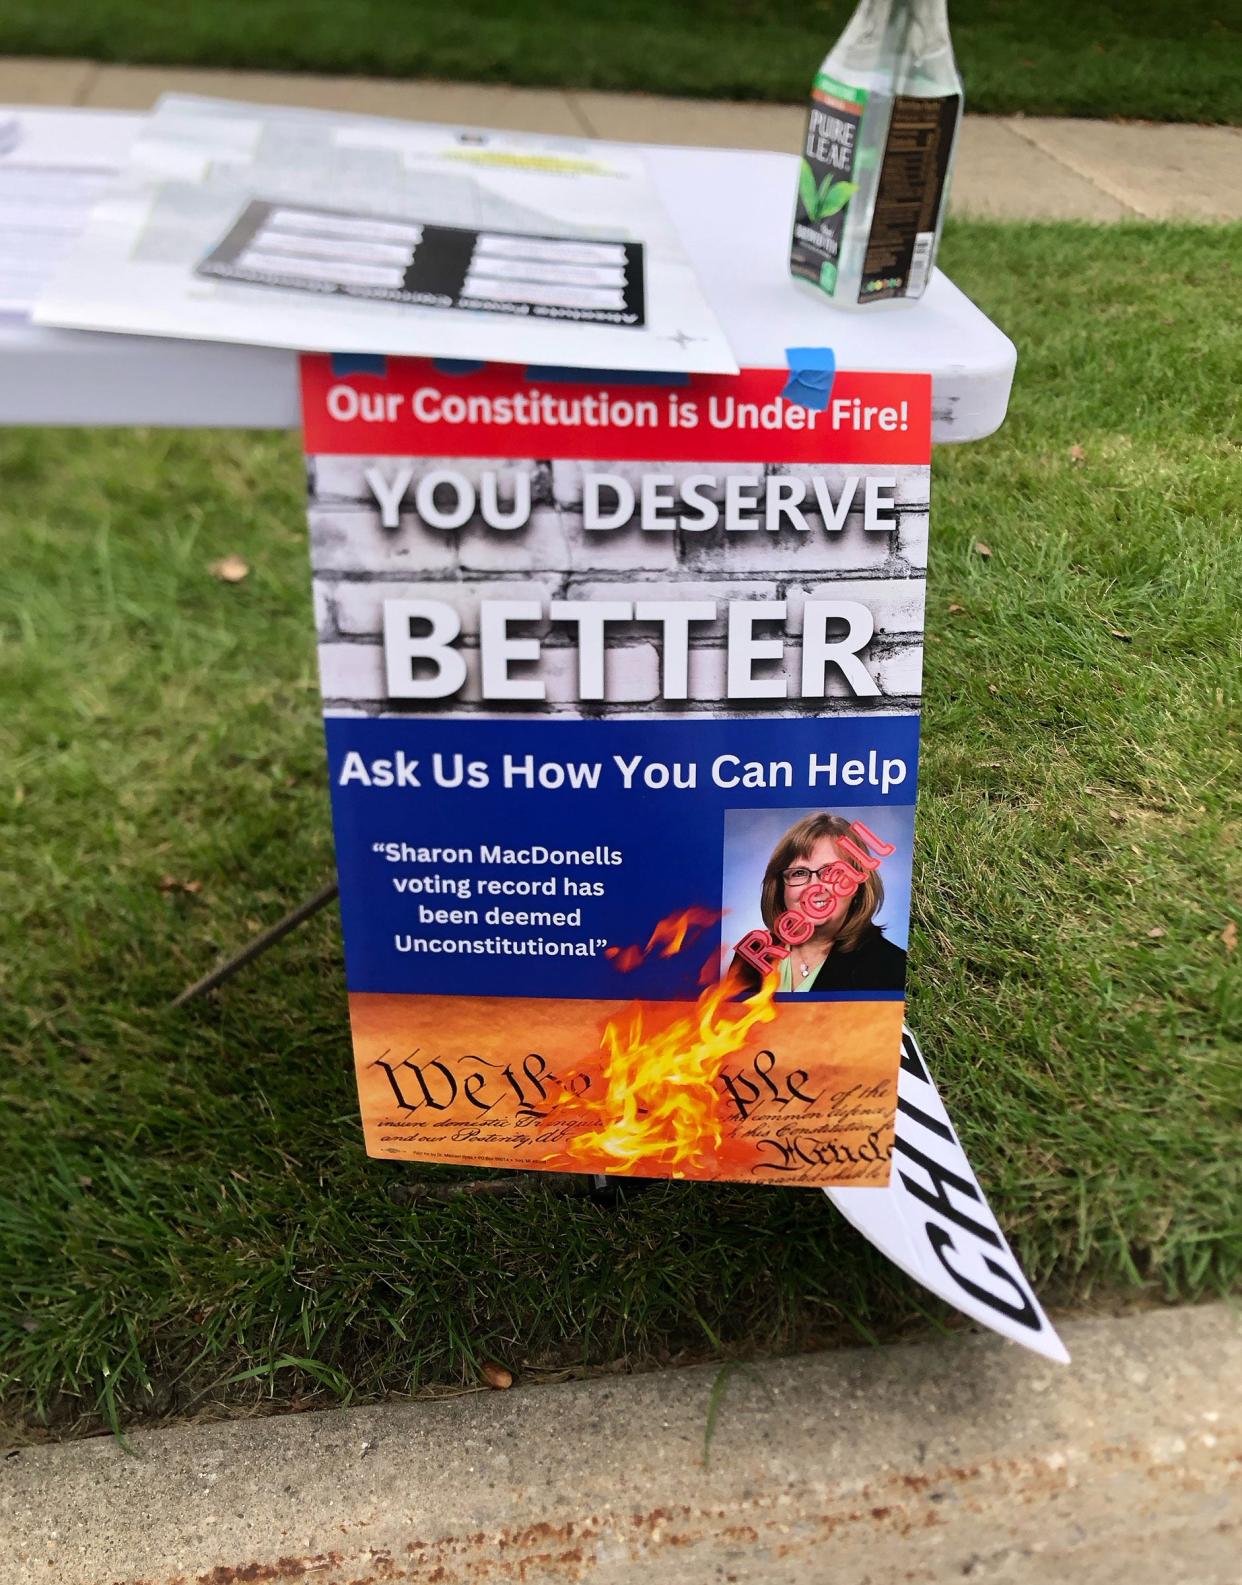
(873, 180)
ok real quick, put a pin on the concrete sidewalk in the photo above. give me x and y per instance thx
(1010, 167)
(958, 1459)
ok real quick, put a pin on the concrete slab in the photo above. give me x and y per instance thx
(925, 1463)
(697, 123)
(1009, 168)
(522, 109)
(1001, 175)
(44, 82)
(1160, 172)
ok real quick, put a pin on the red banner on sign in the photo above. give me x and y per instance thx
(503, 410)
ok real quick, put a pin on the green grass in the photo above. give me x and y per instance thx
(183, 1196)
(1159, 60)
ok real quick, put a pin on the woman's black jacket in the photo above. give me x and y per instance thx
(875, 964)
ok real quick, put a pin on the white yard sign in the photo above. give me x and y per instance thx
(933, 1221)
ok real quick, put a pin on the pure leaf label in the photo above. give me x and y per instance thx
(825, 183)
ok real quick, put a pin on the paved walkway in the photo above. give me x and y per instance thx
(928, 1463)
(1010, 167)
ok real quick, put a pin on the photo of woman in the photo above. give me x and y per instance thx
(847, 951)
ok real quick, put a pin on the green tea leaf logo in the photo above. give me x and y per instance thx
(822, 199)
(834, 197)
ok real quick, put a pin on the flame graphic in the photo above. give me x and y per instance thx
(658, 1106)
(670, 935)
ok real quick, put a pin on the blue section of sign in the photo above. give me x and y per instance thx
(451, 834)
(347, 363)
(554, 373)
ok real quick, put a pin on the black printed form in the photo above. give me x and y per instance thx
(431, 266)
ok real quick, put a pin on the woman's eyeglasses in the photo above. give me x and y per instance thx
(801, 875)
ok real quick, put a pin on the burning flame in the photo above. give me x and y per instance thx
(658, 1103)
(670, 935)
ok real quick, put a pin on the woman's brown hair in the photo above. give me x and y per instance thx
(797, 844)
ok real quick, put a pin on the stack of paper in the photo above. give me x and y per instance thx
(323, 232)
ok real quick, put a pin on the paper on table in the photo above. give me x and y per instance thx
(228, 221)
(50, 179)
(934, 1222)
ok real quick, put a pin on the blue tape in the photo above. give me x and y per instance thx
(811, 373)
(458, 365)
(345, 363)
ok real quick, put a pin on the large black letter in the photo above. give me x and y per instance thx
(937, 1199)
(1024, 1314)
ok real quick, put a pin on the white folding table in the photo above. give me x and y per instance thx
(73, 377)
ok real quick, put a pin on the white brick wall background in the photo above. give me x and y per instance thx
(358, 564)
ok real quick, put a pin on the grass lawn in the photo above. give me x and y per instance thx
(1160, 60)
(186, 1214)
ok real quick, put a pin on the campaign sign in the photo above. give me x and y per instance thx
(621, 687)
